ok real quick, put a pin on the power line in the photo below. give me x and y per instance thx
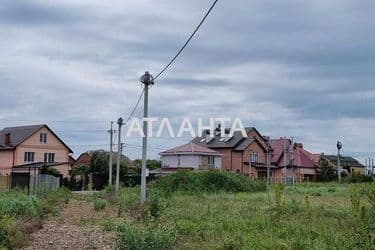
(135, 108)
(187, 41)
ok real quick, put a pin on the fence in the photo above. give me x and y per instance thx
(33, 183)
(5, 182)
(289, 179)
(41, 182)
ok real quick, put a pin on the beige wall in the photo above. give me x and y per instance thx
(359, 170)
(33, 144)
(6, 161)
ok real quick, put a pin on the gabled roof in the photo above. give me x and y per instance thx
(237, 142)
(302, 158)
(190, 148)
(22, 133)
(346, 161)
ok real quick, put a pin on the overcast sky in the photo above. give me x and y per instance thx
(290, 68)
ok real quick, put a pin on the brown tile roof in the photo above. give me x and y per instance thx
(190, 148)
(21, 133)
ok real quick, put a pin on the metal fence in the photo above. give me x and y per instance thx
(32, 183)
(43, 182)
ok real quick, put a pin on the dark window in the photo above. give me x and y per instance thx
(29, 156)
(178, 160)
(49, 157)
(43, 137)
(254, 157)
(211, 160)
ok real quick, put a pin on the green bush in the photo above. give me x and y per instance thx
(19, 205)
(127, 200)
(140, 237)
(99, 204)
(208, 181)
(357, 178)
(51, 200)
(12, 234)
(153, 205)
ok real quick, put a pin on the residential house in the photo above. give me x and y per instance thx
(190, 156)
(347, 163)
(25, 147)
(245, 155)
(292, 160)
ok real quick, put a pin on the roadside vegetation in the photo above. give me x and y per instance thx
(21, 214)
(199, 210)
(211, 210)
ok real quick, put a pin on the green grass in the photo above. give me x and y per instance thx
(306, 216)
(16, 207)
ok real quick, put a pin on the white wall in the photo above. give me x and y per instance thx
(186, 161)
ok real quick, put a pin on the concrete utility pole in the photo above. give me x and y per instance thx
(339, 147)
(147, 80)
(119, 122)
(372, 167)
(110, 153)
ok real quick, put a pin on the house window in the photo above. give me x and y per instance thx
(211, 161)
(49, 157)
(43, 137)
(178, 160)
(254, 157)
(29, 156)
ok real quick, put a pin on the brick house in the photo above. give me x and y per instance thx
(292, 160)
(245, 155)
(32, 146)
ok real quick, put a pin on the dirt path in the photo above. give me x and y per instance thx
(75, 228)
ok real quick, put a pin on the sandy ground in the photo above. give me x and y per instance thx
(75, 228)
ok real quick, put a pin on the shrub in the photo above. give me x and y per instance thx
(140, 237)
(12, 234)
(127, 201)
(356, 178)
(153, 207)
(99, 204)
(51, 200)
(18, 204)
(207, 181)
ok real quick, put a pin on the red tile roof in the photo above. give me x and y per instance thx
(302, 158)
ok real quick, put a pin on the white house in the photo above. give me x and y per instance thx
(191, 156)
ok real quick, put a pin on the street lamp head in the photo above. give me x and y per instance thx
(120, 121)
(339, 145)
(147, 79)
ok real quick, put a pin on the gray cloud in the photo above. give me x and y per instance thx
(290, 68)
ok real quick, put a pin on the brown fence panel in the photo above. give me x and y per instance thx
(5, 182)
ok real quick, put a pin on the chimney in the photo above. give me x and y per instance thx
(7, 139)
(298, 145)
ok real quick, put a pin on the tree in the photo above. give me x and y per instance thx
(50, 171)
(151, 164)
(99, 163)
(83, 172)
(326, 170)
